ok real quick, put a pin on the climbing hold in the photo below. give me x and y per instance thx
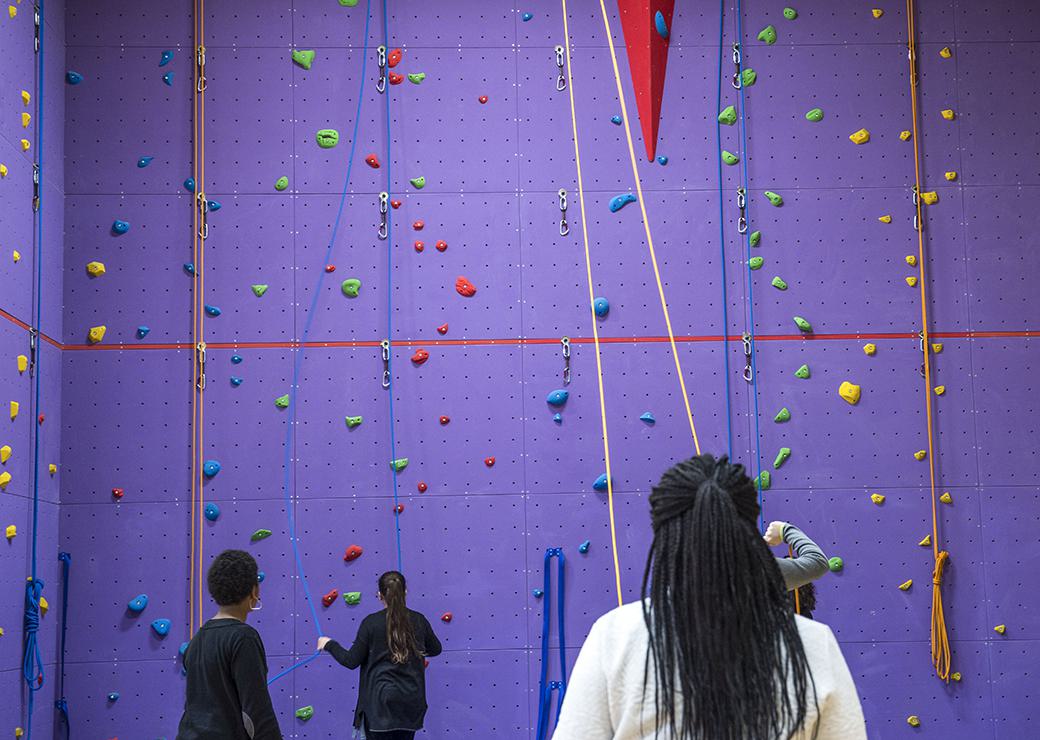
(946, 498)
(14, 410)
(815, 115)
(416, 78)
(420, 356)
(399, 464)
(418, 182)
(600, 484)
(236, 381)
(940, 390)
(782, 415)
(330, 597)
(660, 25)
(138, 603)
(913, 720)
(5, 478)
(213, 205)
(96, 334)
(600, 307)
(945, 52)
(444, 420)
(802, 324)
(117, 493)
(790, 14)
(526, 17)
(557, 397)
(755, 263)
(1000, 629)
(905, 586)
(937, 347)
(16, 255)
(956, 676)
(418, 225)
(464, 287)
(537, 593)
(482, 99)
(168, 78)
(446, 617)
(911, 259)
(774, 198)
(350, 287)
(399, 509)
(877, 498)
(3, 170)
(259, 290)
(616, 120)
(26, 97)
(330, 268)
(850, 392)
(353, 553)
(860, 137)
(755, 238)
(5, 453)
(764, 480)
(930, 198)
(802, 372)
(620, 201)
(877, 12)
(583, 548)
(779, 284)
(748, 77)
(305, 713)
(835, 564)
(120, 227)
(304, 58)
(905, 135)
(236, 359)
(11, 532)
(161, 627)
(353, 598)
(729, 157)
(648, 418)
(210, 468)
(52, 468)
(441, 245)
(281, 183)
(886, 219)
(920, 454)
(113, 696)
(442, 329)
(372, 161)
(212, 512)
(948, 114)
(419, 245)
(767, 35)
(23, 363)
(25, 145)
(189, 184)
(396, 79)
(212, 310)
(911, 281)
(422, 486)
(260, 534)
(869, 349)
(781, 457)
(353, 421)
(926, 541)
(393, 58)
(489, 461)
(728, 115)
(166, 58)
(662, 160)
(327, 138)
(144, 161)
(558, 418)
(951, 176)
(73, 78)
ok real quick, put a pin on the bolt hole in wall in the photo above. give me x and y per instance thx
(475, 286)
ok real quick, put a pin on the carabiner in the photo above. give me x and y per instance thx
(566, 342)
(748, 373)
(383, 220)
(564, 227)
(381, 59)
(385, 346)
(561, 81)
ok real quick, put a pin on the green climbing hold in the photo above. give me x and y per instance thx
(281, 183)
(417, 78)
(729, 157)
(774, 198)
(790, 14)
(767, 35)
(764, 480)
(353, 421)
(815, 115)
(399, 464)
(781, 457)
(835, 564)
(352, 597)
(803, 325)
(802, 372)
(259, 290)
(327, 138)
(756, 237)
(304, 58)
(260, 534)
(779, 283)
(350, 287)
(349, 3)
(282, 401)
(782, 415)
(418, 182)
(749, 77)
(305, 713)
(728, 115)
(755, 263)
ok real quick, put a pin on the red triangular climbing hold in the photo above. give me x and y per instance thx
(647, 59)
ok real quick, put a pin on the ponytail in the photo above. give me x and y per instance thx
(400, 634)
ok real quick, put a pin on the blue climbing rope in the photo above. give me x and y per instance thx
(546, 687)
(62, 704)
(298, 364)
(722, 240)
(750, 276)
(389, 303)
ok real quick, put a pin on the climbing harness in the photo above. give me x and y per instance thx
(62, 704)
(566, 343)
(546, 687)
(564, 228)
(940, 640)
(561, 81)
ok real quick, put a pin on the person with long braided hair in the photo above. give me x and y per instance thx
(713, 650)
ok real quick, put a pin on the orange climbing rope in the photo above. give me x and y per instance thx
(646, 224)
(592, 312)
(940, 641)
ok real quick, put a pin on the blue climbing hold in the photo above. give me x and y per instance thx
(120, 227)
(660, 25)
(662, 160)
(600, 484)
(73, 78)
(212, 310)
(647, 417)
(236, 381)
(236, 359)
(113, 696)
(616, 120)
(558, 418)
(210, 468)
(212, 512)
(526, 17)
(168, 78)
(144, 161)
(537, 593)
(183, 648)
(557, 397)
(161, 627)
(213, 205)
(620, 201)
(189, 184)
(167, 57)
(260, 577)
(138, 603)
(189, 268)
(583, 548)
(601, 307)
(142, 332)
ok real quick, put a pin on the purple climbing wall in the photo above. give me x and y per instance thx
(473, 542)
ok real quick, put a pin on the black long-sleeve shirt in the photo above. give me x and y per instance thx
(226, 696)
(391, 696)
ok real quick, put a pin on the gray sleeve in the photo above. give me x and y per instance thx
(808, 563)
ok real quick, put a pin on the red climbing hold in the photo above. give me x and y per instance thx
(117, 493)
(482, 99)
(464, 287)
(418, 225)
(393, 58)
(441, 245)
(399, 509)
(420, 356)
(353, 553)
(372, 161)
(442, 329)
(396, 79)
(395, 204)
(444, 420)
(489, 461)
(446, 617)
(422, 486)
(40, 418)
(419, 246)
(330, 268)
(330, 597)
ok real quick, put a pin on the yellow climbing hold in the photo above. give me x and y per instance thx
(52, 468)
(96, 334)
(905, 135)
(951, 176)
(913, 720)
(946, 498)
(945, 52)
(12, 11)
(23, 363)
(5, 453)
(25, 145)
(905, 586)
(850, 392)
(44, 606)
(26, 97)
(940, 389)
(869, 349)
(5, 478)
(1000, 629)
(96, 269)
(911, 281)
(886, 219)
(860, 137)
(937, 347)
(11, 531)
(877, 12)
(877, 498)
(16, 256)
(18, 731)
(921, 454)
(956, 675)
(948, 114)
(3, 170)
(926, 541)
(26, 119)
(911, 259)
(14, 409)
(930, 198)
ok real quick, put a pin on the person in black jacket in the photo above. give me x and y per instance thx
(226, 697)
(390, 648)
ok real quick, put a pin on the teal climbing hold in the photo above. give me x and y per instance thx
(616, 120)
(764, 480)
(399, 464)
(213, 205)
(774, 198)
(749, 77)
(212, 512)
(781, 457)
(189, 184)
(729, 158)
(236, 359)
(213, 310)
(583, 548)
(802, 372)
(620, 201)
(418, 182)
(662, 160)
(728, 115)
(236, 381)
(303, 57)
(558, 418)
(260, 534)
(144, 161)
(782, 415)
(660, 25)
(183, 648)
(353, 421)
(815, 115)
(113, 696)
(755, 263)
(120, 227)
(168, 78)
(282, 401)
(557, 397)
(350, 287)
(142, 332)
(416, 78)
(779, 283)
(281, 183)
(161, 627)
(600, 484)
(768, 35)
(189, 268)
(210, 468)
(138, 603)
(73, 78)
(537, 593)
(790, 14)
(802, 324)
(755, 238)
(327, 138)
(259, 290)
(648, 418)
(166, 58)
(601, 307)
(260, 576)
(526, 17)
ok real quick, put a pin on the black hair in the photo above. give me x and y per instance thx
(400, 633)
(723, 640)
(804, 602)
(232, 577)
